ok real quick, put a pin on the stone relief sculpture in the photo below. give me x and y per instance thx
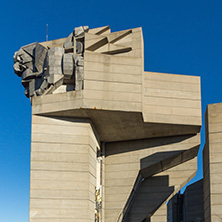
(42, 68)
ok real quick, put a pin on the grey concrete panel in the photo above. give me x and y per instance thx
(212, 164)
(65, 179)
(91, 87)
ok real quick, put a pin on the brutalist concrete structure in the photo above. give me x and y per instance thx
(109, 140)
(212, 164)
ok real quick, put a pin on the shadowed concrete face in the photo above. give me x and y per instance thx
(146, 202)
(119, 126)
(128, 164)
(104, 129)
(162, 161)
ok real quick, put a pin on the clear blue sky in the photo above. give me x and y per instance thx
(180, 36)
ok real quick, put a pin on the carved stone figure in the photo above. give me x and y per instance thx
(43, 69)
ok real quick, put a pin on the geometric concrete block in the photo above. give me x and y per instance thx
(109, 140)
(63, 159)
(212, 168)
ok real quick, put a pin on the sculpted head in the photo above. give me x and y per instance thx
(43, 67)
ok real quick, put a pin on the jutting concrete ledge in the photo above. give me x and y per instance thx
(105, 129)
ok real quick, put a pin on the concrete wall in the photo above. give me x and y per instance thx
(170, 98)
(115, 82)
(212, 157)
(160, 215)
(124, 160)
(63, 170)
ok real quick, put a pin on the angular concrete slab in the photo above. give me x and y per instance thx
(109, 140)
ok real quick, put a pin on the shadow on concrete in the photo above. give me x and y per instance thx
(151, 194)
(134, 145)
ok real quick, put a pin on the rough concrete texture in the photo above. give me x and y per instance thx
(212, 166)
(63, 169)
(110, 127)
(124, 164)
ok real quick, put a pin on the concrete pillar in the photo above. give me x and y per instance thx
(212, 165)
(63, 170)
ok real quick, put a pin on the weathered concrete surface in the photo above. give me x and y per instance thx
(212, 166)
(148, 125)
(173, 99)
(63, 169)
(124, 160)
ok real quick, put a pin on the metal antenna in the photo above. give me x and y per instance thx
(47, 29)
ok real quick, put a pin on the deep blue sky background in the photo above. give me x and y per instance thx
(180, 36)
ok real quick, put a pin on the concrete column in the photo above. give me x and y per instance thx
(206, 184)
(212, 166)
(63, 170)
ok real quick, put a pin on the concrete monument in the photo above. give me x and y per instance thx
(212, 164)
(110, 142)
